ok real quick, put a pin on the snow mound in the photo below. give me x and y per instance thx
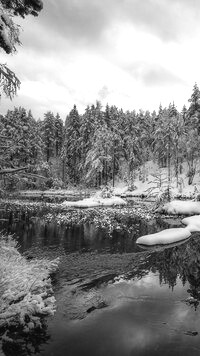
(94, 201)
(180, 207)
(167, 236)
(120, 190)
(192, 222)
(26, 293)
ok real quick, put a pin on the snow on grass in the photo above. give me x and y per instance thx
(49, 192)
(167, 236)
(95, 201)
(25, 287)
(192, 223)
(180, 207)
(109, 219)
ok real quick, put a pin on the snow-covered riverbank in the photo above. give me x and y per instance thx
(25, 287)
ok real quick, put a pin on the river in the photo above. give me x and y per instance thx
(113, 297)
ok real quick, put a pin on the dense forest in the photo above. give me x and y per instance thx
(97, 147)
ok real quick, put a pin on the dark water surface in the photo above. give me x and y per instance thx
(114, 298)
(32, 230)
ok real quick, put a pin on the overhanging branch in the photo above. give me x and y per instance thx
(12, 170)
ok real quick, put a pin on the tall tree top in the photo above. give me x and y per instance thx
(195, 98)
(193, 113)
(172, 110)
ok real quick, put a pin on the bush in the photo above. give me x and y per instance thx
(106, 192)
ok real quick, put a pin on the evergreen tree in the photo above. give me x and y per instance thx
(48, 134)
(172, 110)
(72, 148)
(184, 113)
(193, 115)
(9, 37)
(98, 156)
(87, 129)
(132, 143)
(23, 145)
(59, 129)
(116, 141)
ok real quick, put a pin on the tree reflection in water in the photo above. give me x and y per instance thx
(181, 261)
(23, 344)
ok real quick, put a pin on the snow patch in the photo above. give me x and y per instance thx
(192, 222)
(120, 190)
(167, 236)
(180, 207)
(94, 202)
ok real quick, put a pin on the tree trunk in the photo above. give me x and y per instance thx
(113, 170)
(169, 171)
(63, 170)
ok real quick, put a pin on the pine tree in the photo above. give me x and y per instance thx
(59, 129)
(132, 143)
(22, 146)
(172, 110)
(87, 129)
(193, 115)
(72, 148)
(116, 138)
(48, 134)
(99, 155)
(184, 113)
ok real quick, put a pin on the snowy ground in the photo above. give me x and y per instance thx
(148, 183)
(25, 287)
(95, 201)
(180, 207)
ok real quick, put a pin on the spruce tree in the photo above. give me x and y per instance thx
(72, 147)
(59, 129)
(48, 134)
(193, 115)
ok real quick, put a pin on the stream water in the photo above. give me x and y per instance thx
(113, 297)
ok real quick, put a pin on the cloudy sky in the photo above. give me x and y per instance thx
(130, 53)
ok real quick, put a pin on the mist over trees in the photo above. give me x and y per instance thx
(99, 146)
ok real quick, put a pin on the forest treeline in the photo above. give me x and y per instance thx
(94, 148)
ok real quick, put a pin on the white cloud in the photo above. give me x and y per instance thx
(132, 55)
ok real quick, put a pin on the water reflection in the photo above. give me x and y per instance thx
(24, 344)
(34, 231)
(182, 260)
(142, 319)
(140, 312)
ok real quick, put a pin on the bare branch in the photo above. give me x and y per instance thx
(12, 170)
(5, 137)
(33, 175)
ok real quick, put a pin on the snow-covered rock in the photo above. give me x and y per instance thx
(167, 236)
(94, 202)
(180, 207)
(192, 222)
